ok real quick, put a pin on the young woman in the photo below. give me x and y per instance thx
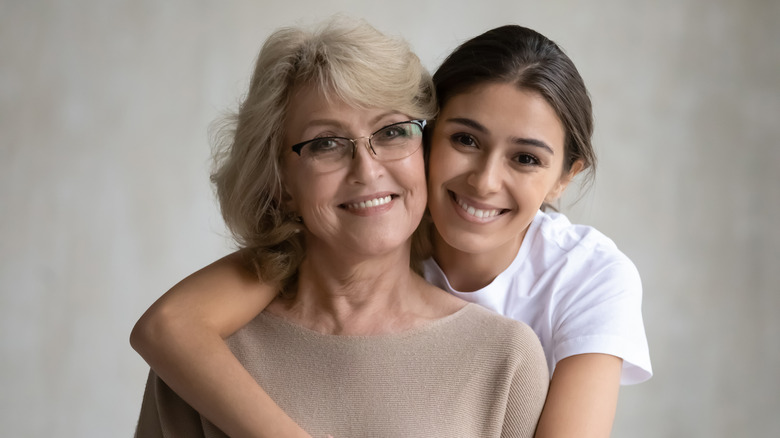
(513, 130)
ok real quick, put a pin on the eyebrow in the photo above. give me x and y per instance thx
(338, 124)
(473, 124)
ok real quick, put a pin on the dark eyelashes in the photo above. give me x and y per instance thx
(523, 160)
(468, 141)
(460, 137)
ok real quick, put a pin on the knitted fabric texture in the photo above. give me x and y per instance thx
(471, 374)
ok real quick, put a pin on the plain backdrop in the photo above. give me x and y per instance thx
(105, 201)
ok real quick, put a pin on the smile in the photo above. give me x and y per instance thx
(370, 203)
(476, 212)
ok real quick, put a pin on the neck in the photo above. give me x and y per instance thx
(350, 295)
(471, 271)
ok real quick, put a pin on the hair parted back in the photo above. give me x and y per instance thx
(523, 57)
(347, 60)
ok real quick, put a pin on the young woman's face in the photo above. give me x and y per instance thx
(496, 155)
(363, 206)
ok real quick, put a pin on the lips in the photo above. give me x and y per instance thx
(479, 213)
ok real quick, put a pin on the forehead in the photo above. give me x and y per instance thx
(311, 108)
(307, 99)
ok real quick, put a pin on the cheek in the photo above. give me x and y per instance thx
(417, 178)
(310, 194)
(439, 147)
(532, 192)
(442, 164)
(554, 180)
(410, 176)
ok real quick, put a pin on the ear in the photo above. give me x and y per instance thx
(564, 181)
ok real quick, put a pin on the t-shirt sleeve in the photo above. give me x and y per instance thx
(603, 314)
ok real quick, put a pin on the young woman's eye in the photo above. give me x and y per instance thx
(464, 140)
(527, 160)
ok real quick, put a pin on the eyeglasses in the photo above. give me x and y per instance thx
(392, 142)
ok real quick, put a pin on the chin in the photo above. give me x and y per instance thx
(468, 243)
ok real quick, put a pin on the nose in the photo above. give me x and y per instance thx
(487, 176)
(364, 167)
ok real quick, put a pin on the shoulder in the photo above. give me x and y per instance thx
(581, 272)
(575, 247)
(557, 230)
(265, 331)
(494, 329)
(507, 349)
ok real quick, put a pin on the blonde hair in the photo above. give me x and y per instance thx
(347, 60)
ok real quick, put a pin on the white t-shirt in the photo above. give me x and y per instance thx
(577, 291)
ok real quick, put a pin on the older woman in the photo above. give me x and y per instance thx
(322, 181)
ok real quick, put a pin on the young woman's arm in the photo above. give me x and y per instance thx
(582, 398)
(182, 334)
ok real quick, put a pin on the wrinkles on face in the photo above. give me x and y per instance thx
(366, 208)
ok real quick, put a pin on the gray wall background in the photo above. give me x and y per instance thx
(105, 201)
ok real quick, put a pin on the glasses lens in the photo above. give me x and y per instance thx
(327, 153)
(397, 141)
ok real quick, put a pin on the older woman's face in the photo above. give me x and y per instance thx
(365, 208)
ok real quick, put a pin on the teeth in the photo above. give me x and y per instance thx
(477, 212)
(371, 202)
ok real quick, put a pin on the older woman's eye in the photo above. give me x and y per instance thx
(326, 145)
(392, 133)
(464, 140)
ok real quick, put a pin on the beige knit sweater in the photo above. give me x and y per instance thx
(471, 374)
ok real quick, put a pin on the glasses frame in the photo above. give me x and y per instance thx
(419, 122)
